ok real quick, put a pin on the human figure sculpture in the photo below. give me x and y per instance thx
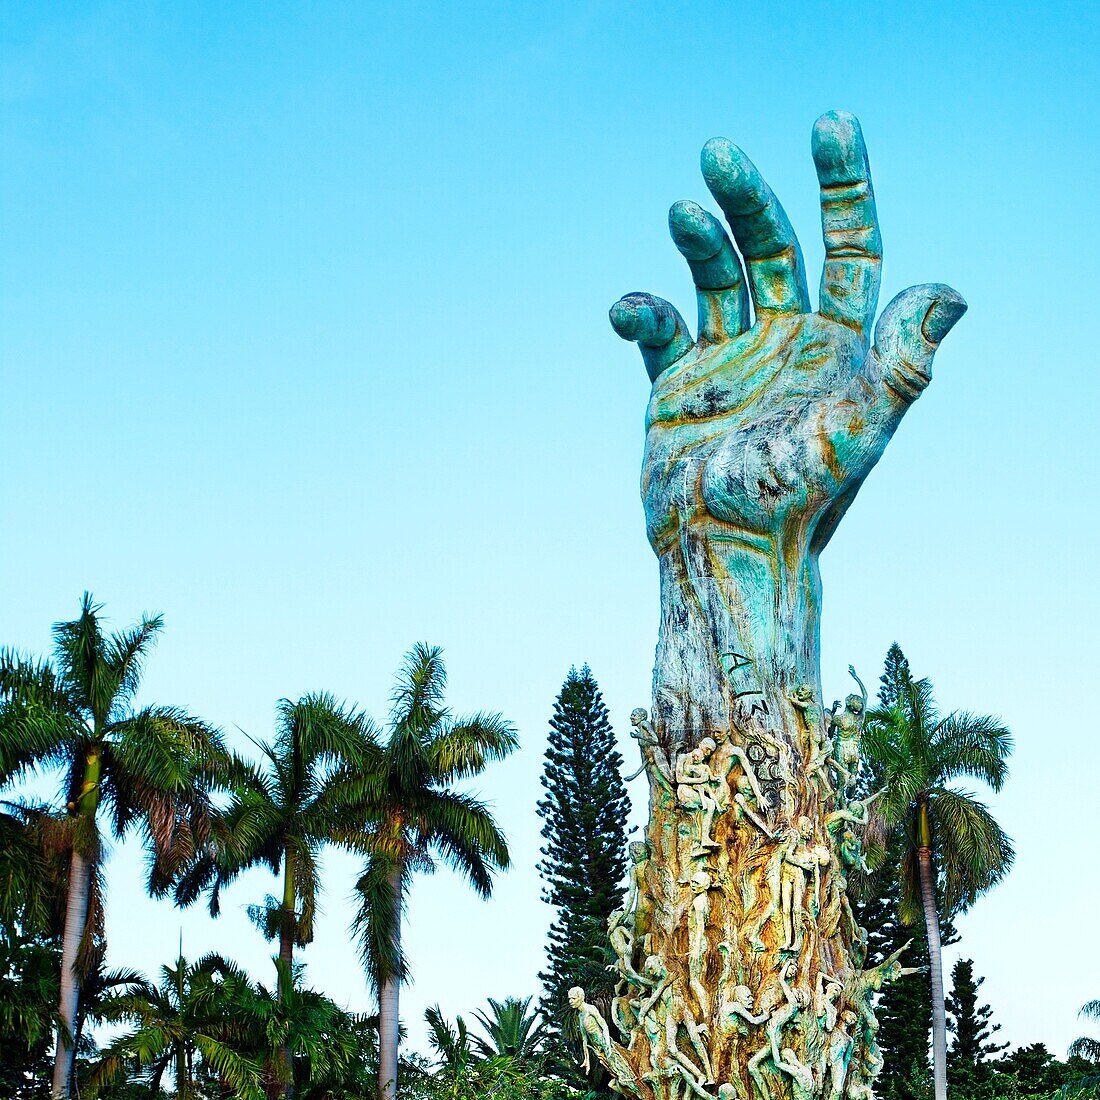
(735, 1016)
(847, 728)
(760, 429)
(694, 783)
(638, 905)
(799, 858)
(850, 850)
(673, 1012)
(744, 808)
(860, 991)
(782, 1016)
(698, 918)
(802, 1077)
(655, 761)
(829, 990)
(818, 748)
(839, 1053)
(621, 934)
(857, 812)
(594, 1033)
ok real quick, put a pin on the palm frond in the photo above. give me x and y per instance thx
(513, 1031)
(380, 894)
(463, 831)
(463, 748)
(451, 1044)
(974, 851)
(323, 728)
(79, 654)
(165, 747)
(1085, 1047)
(421, 688)
(971, 745)
(40, 722)
(125, 654)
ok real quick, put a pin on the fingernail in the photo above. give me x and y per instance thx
(943, 314)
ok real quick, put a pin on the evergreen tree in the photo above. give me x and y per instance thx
(1029, 1071)
(968, 1068)
(584, 812)
(905, 1007)
(895, 676)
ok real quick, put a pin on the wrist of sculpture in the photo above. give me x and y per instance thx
(739, 631)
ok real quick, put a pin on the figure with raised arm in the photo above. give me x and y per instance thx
(847, 729)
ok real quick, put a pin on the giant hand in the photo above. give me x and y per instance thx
(759, 436)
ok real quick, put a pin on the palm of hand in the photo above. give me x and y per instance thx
(772, 428)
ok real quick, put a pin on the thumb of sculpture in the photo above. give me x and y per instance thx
(908, 334)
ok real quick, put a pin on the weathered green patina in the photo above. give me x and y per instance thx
(741, 964)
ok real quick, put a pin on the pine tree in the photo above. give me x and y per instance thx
(894, 676)
(905, 1008)
(1029, 1071)
(968, 1068)
(584, 812)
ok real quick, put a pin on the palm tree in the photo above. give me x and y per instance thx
(513, 1030)
(951, 844)
(415, 815)
(280, 815)
(295, 1031)
(191, 1014)
(1086, 1046)
(453, 1046)
(146, 769)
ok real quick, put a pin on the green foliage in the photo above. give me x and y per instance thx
(918, 754)
(291, 804)
(968, 1069)
(1086, 1047)
(896, 676)
(904, 1008)
(513, 1030)
(146, 768)
(28, 994)
(584, 812)
(216, 1034)
(508, 1067)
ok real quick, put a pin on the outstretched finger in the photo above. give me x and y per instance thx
(761, 228)
(715, 269)
(907, 336)
(849, 224)
(656, 327)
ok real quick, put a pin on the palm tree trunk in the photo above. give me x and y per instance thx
(388, 1015)
(76, 921)
(935, 960)
(287, 929)
(183, 1078)
(76, 917)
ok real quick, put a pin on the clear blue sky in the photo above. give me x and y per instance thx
(305, 344)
